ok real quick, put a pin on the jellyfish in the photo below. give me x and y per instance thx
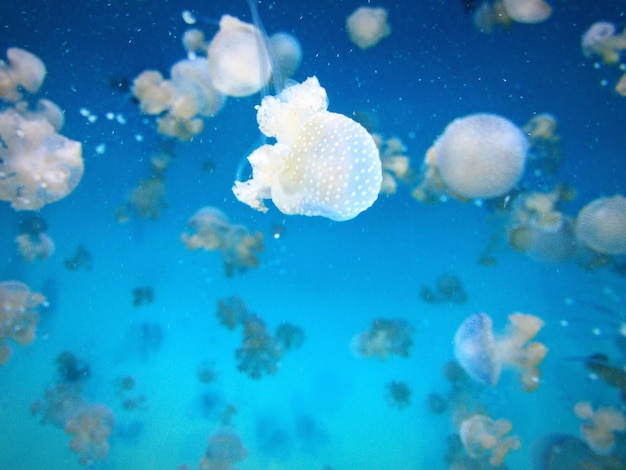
(599, 426)
(480, 156)
(527, 11)
(209, 226)
(538, 229)
(620, 86)
(24, 70)
(394, 162)
(367, 26)
(18, 316)
(287, 51)
(398, 394)
(260, 353)
(91, 428)
(239, 62)
(38, 166)
(601, 225)
(482, 436)
(223, 450)
(323, 163)
(483, 356)
(545, 142)
(384, 338)
(601, 40)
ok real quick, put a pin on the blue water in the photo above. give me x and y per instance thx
(330, 279)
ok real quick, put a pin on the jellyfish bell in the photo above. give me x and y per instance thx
(475, 349)
(481, 156)
(287, 51)
(24, 69)
(239, 59)
(601, 225)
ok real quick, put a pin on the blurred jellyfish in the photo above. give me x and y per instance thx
(398, 394)
(24, 70)
(600, 40)
(384, 338)
(480, 156)
(288, 53)
(483, 356)
(482, 436)
(395, 164)
(18, 316)
(232, 312)
(527, 11)
(538, 229)
(322, 164)
(260, 353)
(91, 428)
(620, 86)
(224, 449)
(289, 336)
(490, 14)
(209, 226)
(599, 426)
(545, 143)
(193, 41)
(367, 26)
(601, 225)
(448, 288)
(239, 62)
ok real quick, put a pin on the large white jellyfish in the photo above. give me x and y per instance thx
(481, 156)
(239, 63)
(322, 163)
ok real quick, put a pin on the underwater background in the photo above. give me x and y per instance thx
(138, 312)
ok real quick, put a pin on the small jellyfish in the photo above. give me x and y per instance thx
(367, 26)
(398, 394)
(480, 156)
(599, 426)
(288, 53)
(322, 164)
(24, 70)
(224, 449)
(601, 225)
(239, 62)
(483, 356)
(482, 436)
(601, 40)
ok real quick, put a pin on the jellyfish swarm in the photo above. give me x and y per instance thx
(599, 426)
(482, 436)
(601, 225)
(322, 163)
(482, 355)
(480, 156)
(367, 26)
(384, 338)
(91, 428)
(18, 316)
(224, 449)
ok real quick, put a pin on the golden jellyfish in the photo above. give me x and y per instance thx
(322, 164)
(155, 94)
(620, 87)
(90, 427)
(490, 14)
(239, 61)
(601, 225)
(480, 156)
(599, 426)
(209, 227)
(395, 164)
(528, 11)
(483, 356)
(367, 26)
(287, 52)
(38, 166)
(601, 40)
(482, 436)
(18, 316)
(32, 247)
(24, 70)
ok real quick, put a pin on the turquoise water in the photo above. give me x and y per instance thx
(325, 407)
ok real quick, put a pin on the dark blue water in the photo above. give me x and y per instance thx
(325, 407)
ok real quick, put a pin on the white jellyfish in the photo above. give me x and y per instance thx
(323, 163)
(368, 26)
(481, 156)
(239, 63)
(528, 11)
(287, 51)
